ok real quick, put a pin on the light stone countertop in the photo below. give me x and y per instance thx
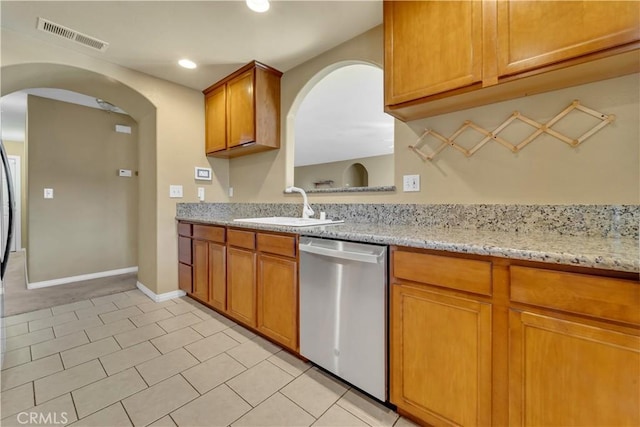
(608, 253)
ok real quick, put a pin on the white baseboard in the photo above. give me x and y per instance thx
(65, 280)
(160, 297)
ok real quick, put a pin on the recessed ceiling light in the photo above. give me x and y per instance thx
(258, 5)
(186, 63)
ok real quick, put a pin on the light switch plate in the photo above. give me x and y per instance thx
(410, 183)
(175, 191)
(48, 193)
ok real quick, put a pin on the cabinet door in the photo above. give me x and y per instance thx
(241, 285)
(566, 373)
(430, 47)
(200, 270)
(218, 276)
(216, 120)
(278, 299)
(536, 33)
(440, 357)
(240, 110)
(185, 277)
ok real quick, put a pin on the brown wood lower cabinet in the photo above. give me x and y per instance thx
(440, 356)
(218, 276)
(241, 285)
(536, 346)
(247, 275)
(185, 258)
(278, 299)
(566, 373)
(184, 277)
(200, 270)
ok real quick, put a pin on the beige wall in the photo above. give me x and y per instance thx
(605, 169)
(16, 148)
(379, 168)
(91, 223)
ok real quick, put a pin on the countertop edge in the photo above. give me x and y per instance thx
(603, 262)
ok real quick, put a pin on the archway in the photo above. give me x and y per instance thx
(29, 75)
(290, 120)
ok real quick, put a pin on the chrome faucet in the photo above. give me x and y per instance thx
(306, 209)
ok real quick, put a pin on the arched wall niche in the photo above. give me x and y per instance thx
(355, 175)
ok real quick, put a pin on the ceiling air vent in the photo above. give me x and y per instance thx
(69, 34)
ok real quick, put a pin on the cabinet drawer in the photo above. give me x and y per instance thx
(242, 239)
(184, 250)
(184, 229)
(279, 245)
(607, 298)
(208, 232)
(184, 278)
(455, 273)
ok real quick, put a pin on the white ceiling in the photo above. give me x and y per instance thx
(342, 118)
(221, 36)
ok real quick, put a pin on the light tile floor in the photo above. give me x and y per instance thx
(122, 360)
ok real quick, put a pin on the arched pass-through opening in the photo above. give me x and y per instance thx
(338, 136)
(142, 110)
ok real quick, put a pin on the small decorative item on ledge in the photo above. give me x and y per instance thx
(327, 183)
(488, 136)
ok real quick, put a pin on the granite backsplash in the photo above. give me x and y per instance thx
(570, 220)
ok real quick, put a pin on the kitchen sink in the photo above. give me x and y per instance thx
(290, 221)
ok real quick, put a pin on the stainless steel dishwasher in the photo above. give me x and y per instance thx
(343, 311)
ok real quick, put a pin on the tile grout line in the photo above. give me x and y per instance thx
(243, 399)
(335, 404)
(299, 406)
(351, 412)
(74, 405)
(124, 408)
(143, 379)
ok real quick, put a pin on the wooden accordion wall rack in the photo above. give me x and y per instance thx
(541, 128)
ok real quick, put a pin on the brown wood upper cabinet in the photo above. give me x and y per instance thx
(532, 34)
(242, 112)
(443, 56)
(449, 46)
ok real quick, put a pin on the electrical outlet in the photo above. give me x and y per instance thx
(175, 191)
(201, 194)
(411, 183)
(48, 193)
(230, 191)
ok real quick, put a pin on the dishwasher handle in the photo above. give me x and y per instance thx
(340, 254)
